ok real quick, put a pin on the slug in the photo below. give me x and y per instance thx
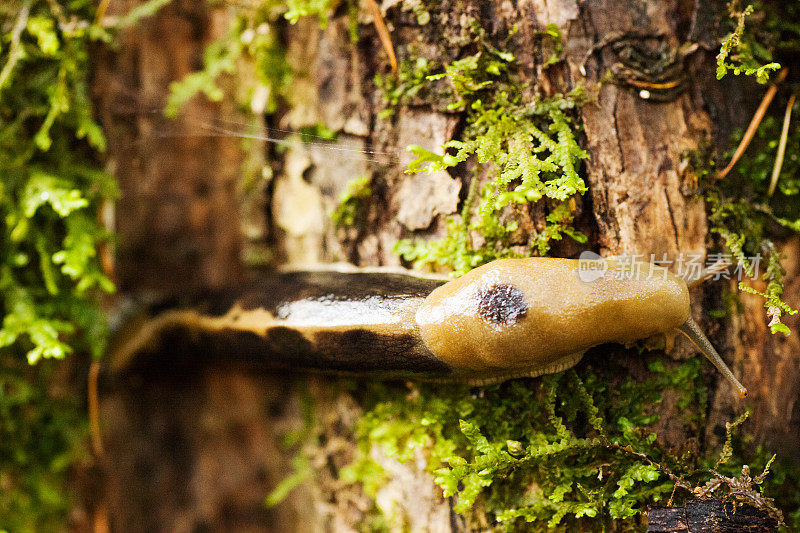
(507, 319)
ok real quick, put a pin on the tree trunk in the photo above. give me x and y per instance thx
(192, 448)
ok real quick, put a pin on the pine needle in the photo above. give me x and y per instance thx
(383, 32)
(776, 170)
(754, 122)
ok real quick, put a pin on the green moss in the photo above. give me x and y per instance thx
(570, 450)
(741, 52)
(412, 81)
(40, 437)
(530, 149)
(742, 212)
(53, 185)
(297, 9)
(350, 202)
(566, 452)
(251, 34)
(552, 31)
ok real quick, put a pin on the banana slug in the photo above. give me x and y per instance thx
(507, 319)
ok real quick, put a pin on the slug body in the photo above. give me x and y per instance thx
(509, 318)
(535, 316)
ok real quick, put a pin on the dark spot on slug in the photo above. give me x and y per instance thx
(502, 304)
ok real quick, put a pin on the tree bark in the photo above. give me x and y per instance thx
(189, 448)
(700, 516)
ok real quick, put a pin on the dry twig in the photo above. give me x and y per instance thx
(754, 122)
(776, 170)
(383, 31)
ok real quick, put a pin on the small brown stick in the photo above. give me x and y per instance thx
(94, 409)
(383, 32)
(105, 217)
(754, 122)
(101, 524)
(100, 514)
(776, 170)
(101, 11)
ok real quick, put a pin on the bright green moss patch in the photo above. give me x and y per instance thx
(530, 151)
(297, 9)
(410, 82)
(52, 184)
(251, 34)
(52, 188)
(566, 451)
(747, 206)
(741, 53)
(40, 437)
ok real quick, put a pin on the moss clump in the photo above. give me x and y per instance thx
(51, 191)
(746, 216)
(52, 183)
(570, 450)
(252, 34)
(748, 209)
(297, 9)
(530, 149)
(412, 81)
(741, 52)
(40, 437)
(350, 202)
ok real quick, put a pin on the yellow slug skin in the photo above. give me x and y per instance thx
(534, 313)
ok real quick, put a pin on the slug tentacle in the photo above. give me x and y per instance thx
(692, 330)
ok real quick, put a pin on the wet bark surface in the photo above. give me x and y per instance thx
(194, 449)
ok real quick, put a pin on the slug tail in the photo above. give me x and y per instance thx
(692, 330)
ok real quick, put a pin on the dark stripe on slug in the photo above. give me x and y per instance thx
(353, 351)
(319, 321)
(363, 350)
